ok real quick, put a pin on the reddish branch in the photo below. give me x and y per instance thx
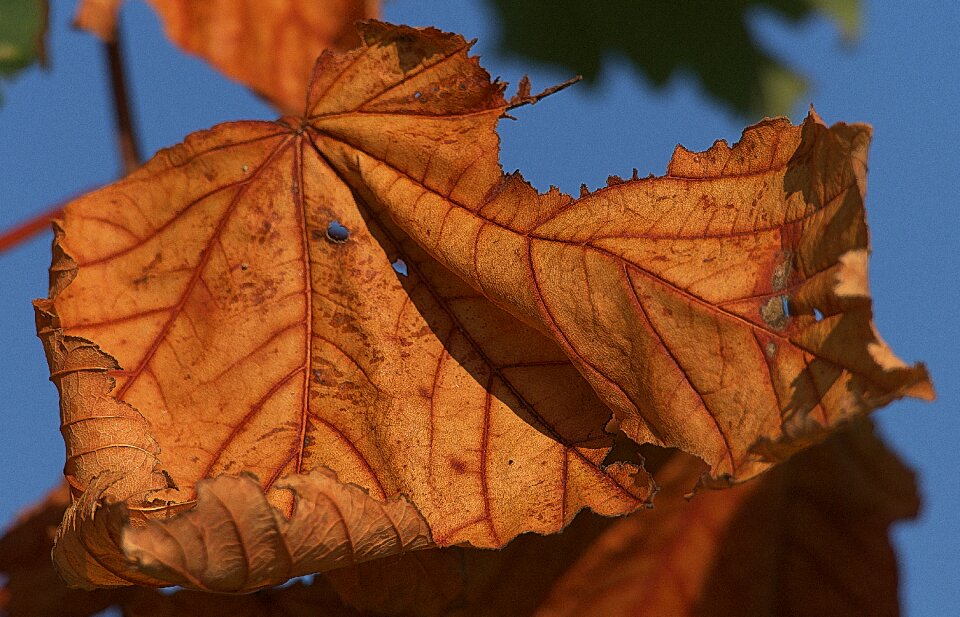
(41, 222)
(126, 145)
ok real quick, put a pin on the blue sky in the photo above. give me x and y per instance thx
(56, 140)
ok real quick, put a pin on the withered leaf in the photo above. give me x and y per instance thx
(33, 588)
(251, 339)
(268, 45)
(808, 539)
(362, 290)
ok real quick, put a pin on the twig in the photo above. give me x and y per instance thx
(126, 144)
(29, 228)
(126, 136)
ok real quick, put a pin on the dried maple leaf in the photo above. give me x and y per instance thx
(251, 338)
(269, 45)
(809, 539)
(362, 290)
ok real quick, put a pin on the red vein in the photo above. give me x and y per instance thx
(198, 271)
(676, 362)
(245, 420)
(496, 371)
(421, 69)
(298, 198)
(356, 452)
(484, 447)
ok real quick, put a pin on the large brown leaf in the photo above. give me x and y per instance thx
(269, 45)
(251, 339)
(808, 540)
(232, 307)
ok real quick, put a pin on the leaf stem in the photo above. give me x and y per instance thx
(126, 135)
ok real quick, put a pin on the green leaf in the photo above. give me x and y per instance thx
(710, 40)
(23, 28)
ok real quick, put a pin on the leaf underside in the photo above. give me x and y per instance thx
(359, 296)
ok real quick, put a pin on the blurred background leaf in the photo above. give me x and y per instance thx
(712, 41)
(23, 28)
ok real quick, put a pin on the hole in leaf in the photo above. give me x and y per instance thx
(168, 591)
(417, 94)
(337, 233)
(306, 579)
(400, 266)
(817, 314)
(785, 305)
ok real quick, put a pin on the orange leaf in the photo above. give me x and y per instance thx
(722, 309)
(269, 45)
(362, 290)
(809, 539)
(253, 336)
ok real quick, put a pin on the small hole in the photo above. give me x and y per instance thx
(306, 579)
(244, 267)
(337, 233)
(417, 94)
(817, 314)
(785, 305)
(400, 266)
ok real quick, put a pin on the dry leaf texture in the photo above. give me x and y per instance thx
(268, 45)
(362, 290)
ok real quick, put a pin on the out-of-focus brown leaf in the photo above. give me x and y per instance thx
(809, 539)
(268, 45)
(363, 290)
(245, 334)
(32, 587)
(297, 600)
(465, 582)
(98, 17)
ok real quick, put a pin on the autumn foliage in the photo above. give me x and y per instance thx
(346, 342)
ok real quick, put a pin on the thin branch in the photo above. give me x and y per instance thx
(126, 135)
(41, 222)
(126, 144)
